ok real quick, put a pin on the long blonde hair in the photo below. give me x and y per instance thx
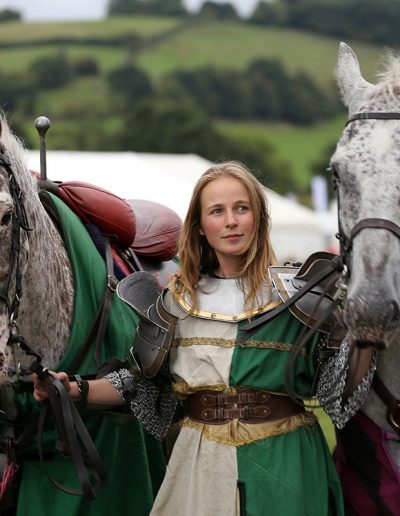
(195, 253)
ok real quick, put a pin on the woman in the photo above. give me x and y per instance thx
(244, 446)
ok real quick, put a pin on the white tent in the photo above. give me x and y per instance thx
(169, 179)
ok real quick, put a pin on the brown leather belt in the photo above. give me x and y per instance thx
(248, 405)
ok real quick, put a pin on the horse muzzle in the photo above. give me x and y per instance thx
(372, 322)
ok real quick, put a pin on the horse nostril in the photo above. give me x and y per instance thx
(394, 310)
(5, 220)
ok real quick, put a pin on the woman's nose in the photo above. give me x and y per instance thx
(231, 218)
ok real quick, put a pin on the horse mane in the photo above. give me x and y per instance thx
(16, 152)
(388, 85)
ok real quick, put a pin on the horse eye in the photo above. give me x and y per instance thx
(334, 176)
(6, 219)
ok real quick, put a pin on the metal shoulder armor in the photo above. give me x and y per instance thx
(156, 327)
(317, 300)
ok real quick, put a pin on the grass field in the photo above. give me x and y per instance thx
(110, 28)
(229, 45)
(300, 146)
(234, 46)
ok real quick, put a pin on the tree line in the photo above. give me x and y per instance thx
(151, 118)
(367, 20)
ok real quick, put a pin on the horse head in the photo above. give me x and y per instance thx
(14, 242)
(366, 172)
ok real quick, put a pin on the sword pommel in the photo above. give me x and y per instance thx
(42, 124)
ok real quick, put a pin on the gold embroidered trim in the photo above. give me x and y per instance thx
(203, 341)
(280, 346)
(237, 433)
(184, 389)
(230, 343)
(222, 317)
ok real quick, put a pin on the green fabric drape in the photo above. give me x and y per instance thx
(291, 473)
(133, 459)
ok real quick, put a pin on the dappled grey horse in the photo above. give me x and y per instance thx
(366, 172)
(44, 301)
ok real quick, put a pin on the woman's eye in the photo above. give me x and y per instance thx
(243, 208)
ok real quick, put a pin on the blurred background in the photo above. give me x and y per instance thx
(144, 94)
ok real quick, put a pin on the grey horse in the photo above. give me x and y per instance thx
(366, 171)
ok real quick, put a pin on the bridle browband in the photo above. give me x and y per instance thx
(372, 115)
(346, 243)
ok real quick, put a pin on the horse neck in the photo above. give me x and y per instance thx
(46, 308)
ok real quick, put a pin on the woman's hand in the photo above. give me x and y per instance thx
(40, 393)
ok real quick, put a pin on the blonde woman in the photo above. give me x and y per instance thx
(245, 447)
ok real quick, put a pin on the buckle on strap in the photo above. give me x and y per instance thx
(248, 405)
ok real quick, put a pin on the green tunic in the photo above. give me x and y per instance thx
(283, 467)
(133, 459)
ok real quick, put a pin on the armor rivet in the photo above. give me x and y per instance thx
(213, 315)
(235, 318)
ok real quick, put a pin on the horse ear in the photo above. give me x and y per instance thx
(348, 74)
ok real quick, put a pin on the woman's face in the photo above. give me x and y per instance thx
(227, 217)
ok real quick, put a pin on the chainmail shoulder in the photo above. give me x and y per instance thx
(151, 401)
(331, 385)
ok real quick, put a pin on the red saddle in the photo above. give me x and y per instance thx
(111, 214)
(150, 229)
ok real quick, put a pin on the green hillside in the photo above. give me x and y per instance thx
(189, 46)
(235, 45)
(12, 33)
(159, 45)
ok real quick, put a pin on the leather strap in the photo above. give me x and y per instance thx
(393, 405)
(333, 266)
(100, 322)
(248, 405)
(74, 441)
(373, 115)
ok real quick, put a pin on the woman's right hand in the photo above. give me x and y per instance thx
(39, 392)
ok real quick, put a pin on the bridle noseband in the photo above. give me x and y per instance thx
(346, 243)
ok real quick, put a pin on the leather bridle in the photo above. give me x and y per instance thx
(392, 404)
(346, 243)
(19, 222)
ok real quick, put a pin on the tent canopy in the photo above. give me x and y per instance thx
(169, 179)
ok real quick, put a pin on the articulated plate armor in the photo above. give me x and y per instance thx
(156, 327)
(308, 309)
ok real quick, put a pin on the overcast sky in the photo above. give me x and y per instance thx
(37, 10)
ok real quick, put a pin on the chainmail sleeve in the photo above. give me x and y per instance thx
(151, 401)
(331, 385)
